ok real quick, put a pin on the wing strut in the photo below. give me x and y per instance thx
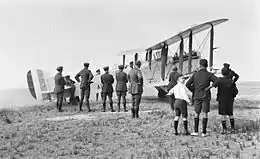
(124, 61)
(150, 53)
(211, 46)
(181, 55)
(190, 52)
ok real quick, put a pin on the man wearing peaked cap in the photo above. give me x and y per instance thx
(59, 68)
(107, 90)
(172, 82)
(231, 73)
(121, 67)
(106, 68)
(86, 64)
(59, 87)
(200, 81)
(226, 65)
(86, 79)
(136, 88)
(131, 64)
(121, 88)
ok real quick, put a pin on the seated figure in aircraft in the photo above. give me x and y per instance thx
(185, 55)
(175, 57)
(194, 53)
(69, 82)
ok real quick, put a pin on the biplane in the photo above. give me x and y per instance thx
(157, 62)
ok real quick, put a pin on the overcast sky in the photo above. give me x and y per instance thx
(45, 34)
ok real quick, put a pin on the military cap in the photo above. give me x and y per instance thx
(225, 71)
(121, 66)
(59, 68)
(106, 68)
(138, 63)
(204, 62)
(98, 70)
(226, 65)
(86, 64)
(68, 76)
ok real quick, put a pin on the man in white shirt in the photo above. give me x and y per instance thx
(183, 96)
(98, 83)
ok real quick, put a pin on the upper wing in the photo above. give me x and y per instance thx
(184, 34)
(130, 52)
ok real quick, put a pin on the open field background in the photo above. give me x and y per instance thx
(22, 97)
(42, 132)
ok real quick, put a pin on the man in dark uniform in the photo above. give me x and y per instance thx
(121, 88)
(86, 77)
(231, 73)
(69, 82)
(200, 80)
(107, 80)
(172, 82)
(131, 64)
(59, 87)
(226, 94)
(136, 88)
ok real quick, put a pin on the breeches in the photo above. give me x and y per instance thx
(109, 95)
(136, 100)
(84, 93)
(121, 94)
(59, 99)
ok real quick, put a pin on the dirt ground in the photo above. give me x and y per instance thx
(42, 132)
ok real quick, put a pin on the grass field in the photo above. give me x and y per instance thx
(36, 132)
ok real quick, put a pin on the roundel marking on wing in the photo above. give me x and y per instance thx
(31, 84)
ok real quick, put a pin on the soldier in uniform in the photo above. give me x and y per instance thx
(136, 88)
(86, 77)
(131, 64)
(200, 80)
(231, 73)
(107, 90)
(172, 82)
(69, 82)
(121, 88)
(59, 87)
(226, 94)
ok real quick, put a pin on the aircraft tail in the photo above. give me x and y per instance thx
(37, 84)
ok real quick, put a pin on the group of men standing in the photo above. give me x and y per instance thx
(199, 85)
(85, 77)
